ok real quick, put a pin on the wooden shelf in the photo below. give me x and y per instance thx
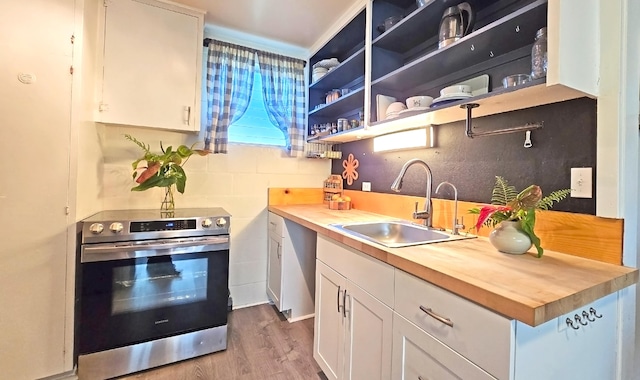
(500, 37)
(532, 94)
(346, 103)
(346, 72)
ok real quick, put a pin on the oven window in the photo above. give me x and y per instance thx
(156, 282)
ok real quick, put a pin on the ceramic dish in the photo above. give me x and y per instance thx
(420, 109)
(392, 115)
(458, 96)
(327, 63)
(444, 102)
(382, 103)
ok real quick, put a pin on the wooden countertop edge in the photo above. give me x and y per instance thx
(502, 304)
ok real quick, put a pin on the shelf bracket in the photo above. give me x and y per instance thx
(468, 125)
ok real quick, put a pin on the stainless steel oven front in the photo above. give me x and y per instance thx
(151, 290)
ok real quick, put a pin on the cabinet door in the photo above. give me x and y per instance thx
(419, 356)
(368, 336)
(328, 337)
(274, 271)
(151, 65)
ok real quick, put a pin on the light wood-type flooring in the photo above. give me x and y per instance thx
(262, 345)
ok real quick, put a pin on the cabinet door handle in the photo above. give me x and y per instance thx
(420, 378)
(187, 115)
(430, 313)
(344, 304)
(338, 299)
(279, 252)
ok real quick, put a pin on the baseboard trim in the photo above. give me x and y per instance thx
(249, 305)
(302, 317)
(70, 375)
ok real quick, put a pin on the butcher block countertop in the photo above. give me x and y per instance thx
(522, 287)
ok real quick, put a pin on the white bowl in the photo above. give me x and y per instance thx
(456, 89)
(395, 107)
(419, 101)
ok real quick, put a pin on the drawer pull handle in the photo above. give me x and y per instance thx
(272, 223)
(587, 316)
(594, 313)
(430, 313)
(338, 299)
(344, 304)
(420, 378)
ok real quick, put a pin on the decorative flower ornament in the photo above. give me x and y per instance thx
(350, 165)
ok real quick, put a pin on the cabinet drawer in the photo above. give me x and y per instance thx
(369, 273)
(473, 329)
(276, 225)
(418, 355)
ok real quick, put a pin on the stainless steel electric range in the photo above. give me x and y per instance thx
(151, 289)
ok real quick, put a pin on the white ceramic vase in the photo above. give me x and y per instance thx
(508, 237)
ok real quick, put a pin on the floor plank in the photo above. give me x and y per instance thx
(261, 345)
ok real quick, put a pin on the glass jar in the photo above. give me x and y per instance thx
(539, 55)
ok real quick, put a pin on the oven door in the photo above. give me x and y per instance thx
(141, 291)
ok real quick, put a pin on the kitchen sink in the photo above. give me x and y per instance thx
(396, 234)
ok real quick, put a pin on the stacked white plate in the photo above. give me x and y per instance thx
(318, 73)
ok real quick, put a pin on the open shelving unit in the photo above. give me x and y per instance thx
(405, 61)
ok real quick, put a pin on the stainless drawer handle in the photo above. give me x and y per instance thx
(338, 299)
(430, 313)
(344, 304)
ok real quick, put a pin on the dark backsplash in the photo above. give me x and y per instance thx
(568, 139)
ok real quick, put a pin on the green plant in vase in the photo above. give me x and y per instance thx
(162, 169)
(507, 204)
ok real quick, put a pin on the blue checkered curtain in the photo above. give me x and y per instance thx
(230, 70)
(284, 92)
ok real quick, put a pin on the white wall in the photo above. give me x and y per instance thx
(237, 181)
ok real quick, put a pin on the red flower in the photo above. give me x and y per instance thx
(487, 211)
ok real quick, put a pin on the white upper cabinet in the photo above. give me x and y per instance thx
(151, 65)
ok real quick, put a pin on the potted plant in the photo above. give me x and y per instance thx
(514, 214)
(162, 169)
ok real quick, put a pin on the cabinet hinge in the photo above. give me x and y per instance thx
(103, 107)
(71, 70)
(73, 39)
(105, 3)
(67, 210)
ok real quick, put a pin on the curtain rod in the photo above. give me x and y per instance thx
(207, 41)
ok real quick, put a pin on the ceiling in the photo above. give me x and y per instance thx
(296, 22)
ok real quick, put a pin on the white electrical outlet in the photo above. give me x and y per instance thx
(366, 186)
(581, 183)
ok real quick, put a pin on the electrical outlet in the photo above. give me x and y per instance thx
(366, 186)
(581, 183)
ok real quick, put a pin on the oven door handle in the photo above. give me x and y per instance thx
(112, 251)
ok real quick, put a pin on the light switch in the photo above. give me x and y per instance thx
(366, 186)
(581, 183)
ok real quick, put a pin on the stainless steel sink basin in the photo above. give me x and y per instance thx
(395, 234)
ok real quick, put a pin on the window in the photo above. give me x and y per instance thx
(254, 127)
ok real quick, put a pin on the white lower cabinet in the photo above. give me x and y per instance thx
(444, 336)
(419, 356)
(353, 328)
(374, 321)
(291, 268)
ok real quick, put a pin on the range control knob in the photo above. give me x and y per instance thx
(221, 222)
(116, 227)
(206, 223)
(96, 228)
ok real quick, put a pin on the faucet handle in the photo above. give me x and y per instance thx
(458, 226)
